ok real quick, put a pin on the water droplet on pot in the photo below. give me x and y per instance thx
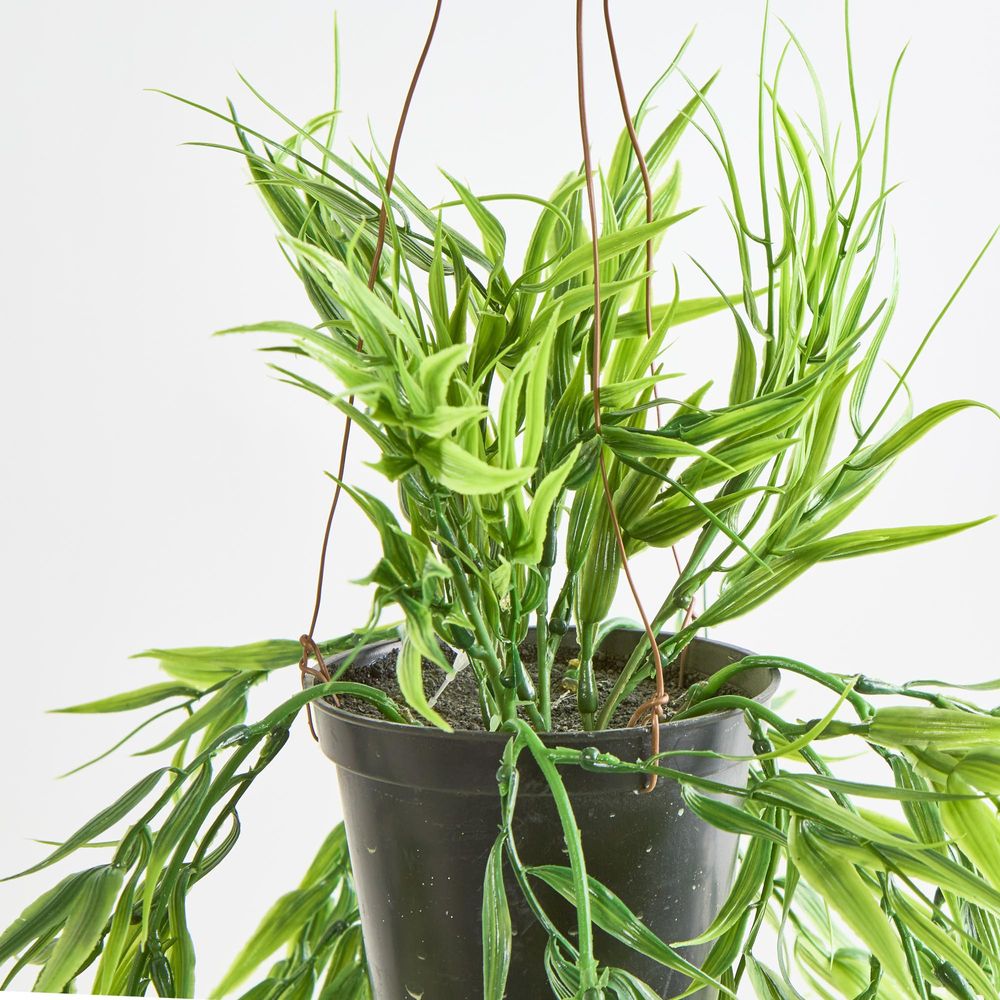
(649, 849)
(372, 850)
(680, 812)
(414, 994)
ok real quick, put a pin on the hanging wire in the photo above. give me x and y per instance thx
(309, 647)
(647, 184)
(654, 707)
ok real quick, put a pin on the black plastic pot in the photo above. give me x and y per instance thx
(422, 812)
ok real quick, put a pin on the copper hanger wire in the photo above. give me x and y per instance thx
(654, 707)
(309, 647)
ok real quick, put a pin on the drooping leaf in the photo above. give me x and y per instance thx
(496, 926)
(911, 432)
(207, 665)
(218, 706)
(286, 917)
(83, 929)
(838, 882)
(616, 919)
(170, 834)
(464, 473)
(44, 915)
(103, 821)
(128, 701)
(409, 671)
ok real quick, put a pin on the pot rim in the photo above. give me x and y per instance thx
(680, 727)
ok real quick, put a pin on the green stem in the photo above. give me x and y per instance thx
(508, 803)
(725, 702)
(562, 609)
(544, 663)
(674, 602)
(586, 685)
(670, 648)
(574, 846)
(506, 700)
(537, 720)
(720, 678)
(544, 657)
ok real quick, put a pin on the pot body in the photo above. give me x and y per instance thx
(422, 811)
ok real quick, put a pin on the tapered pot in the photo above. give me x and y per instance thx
(422, 811)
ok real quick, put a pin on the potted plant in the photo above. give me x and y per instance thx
(539, 799)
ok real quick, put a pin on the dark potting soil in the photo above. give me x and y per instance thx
(458, 700)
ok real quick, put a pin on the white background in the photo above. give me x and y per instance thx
(159, 489)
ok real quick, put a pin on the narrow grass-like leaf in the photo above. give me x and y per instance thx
(44, 915)
(409, 672)
(174, 828)
(83, 929)
(116, 940)
(725, 816)
(767, 983)
(612, 246)
(922, 923)
(838, 882)
(496, 926)
(232, 693)
(103, 821)
(616, 919)
(128, 701)
(911, 432)
(749, 881)
(278, 926)
(528, 549)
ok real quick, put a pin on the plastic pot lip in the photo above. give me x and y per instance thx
(679, 729)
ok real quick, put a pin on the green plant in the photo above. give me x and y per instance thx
(529, 454)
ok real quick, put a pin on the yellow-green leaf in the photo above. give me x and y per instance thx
(409, 672)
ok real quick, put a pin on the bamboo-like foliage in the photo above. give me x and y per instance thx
(475, 387)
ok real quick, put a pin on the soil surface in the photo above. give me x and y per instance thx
(458, 701)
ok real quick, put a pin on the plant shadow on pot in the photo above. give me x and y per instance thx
(422, 812)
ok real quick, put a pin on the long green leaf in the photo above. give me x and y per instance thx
(464, 473)
(128, 701)
(616, 919)
(409, 672)
(44, 915)
(102, 822)
(838, 882)
(911, 432)
(84, 928)
(496, 926)
(278, 926)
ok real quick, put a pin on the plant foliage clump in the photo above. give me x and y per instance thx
(473, 377)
